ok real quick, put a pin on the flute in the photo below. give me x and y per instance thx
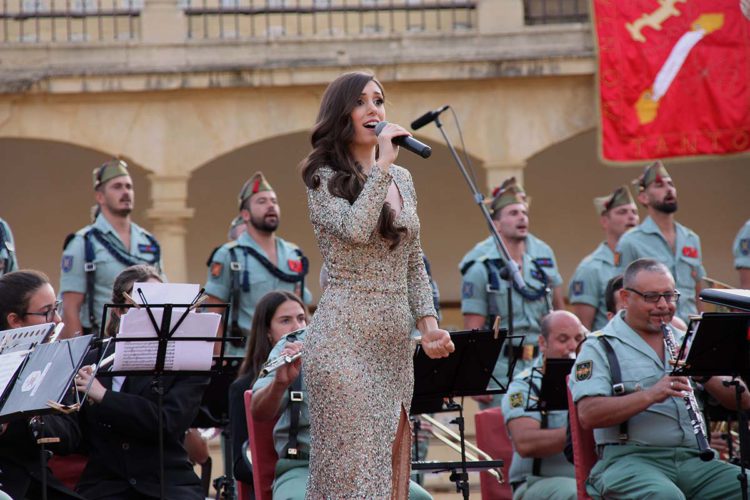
(696, 419)
(276, 363)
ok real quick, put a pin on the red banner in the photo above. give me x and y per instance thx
(674, 78)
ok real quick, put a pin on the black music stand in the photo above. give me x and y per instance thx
(466, 372)
(553, 393)
(165, 329)
(720, 348)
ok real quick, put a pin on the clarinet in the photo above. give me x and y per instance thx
(696, 419)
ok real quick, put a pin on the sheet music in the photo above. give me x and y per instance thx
(166, 293)
(23, 339)
(9, 365)
(180, 355)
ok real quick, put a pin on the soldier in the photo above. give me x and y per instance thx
(283, 393)
(94, 256)
(617, 214)
(8, 260)
(644, 436)
(257, 262)
(484, 294)
(539, 468)
(741, 252)
(660, 237)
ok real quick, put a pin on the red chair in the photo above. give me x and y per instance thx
(492, 438)
(262, 450)
(584, 447)
(68, 468)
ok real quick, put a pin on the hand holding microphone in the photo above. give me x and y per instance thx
(398, 136)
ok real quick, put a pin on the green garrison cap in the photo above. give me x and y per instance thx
(108, 171)
(508, 193)
(618, 197)
(653, 172)
(254, 184)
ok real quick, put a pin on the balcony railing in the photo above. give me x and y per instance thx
(273, 19)
(556, 11)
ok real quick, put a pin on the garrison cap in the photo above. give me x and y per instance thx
(254, 184)
(618, 197)
(108, 171)
(655, 171)
(508, 193)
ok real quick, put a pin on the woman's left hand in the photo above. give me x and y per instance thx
(437, 343)
(97, 390)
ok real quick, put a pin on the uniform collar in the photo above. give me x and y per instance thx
(102, 224)
(623, 332)
(604, 253)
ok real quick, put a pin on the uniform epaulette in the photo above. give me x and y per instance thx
(81, 232)
(213, 252)
(525, 374)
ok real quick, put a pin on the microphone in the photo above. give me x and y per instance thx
(428, 117)
(406, 142)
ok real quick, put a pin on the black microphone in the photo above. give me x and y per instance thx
(428, 117)
(407, 142)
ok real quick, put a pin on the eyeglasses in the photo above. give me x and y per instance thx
(49, 315)
(653, 297)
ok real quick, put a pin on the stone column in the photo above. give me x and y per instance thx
(497, 16)
(169, 215)
(163, 21)
(498, 171)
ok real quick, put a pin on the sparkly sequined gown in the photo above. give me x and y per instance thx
(358, 355)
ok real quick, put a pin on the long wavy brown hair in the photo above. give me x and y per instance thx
(331, 138)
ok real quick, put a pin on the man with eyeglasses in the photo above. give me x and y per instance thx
(622, 389)
(8, 260)
(661, 237)
(94, 256)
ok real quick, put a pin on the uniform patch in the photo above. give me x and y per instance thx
(216, 268)
(516, 400)
(545, 262)
(583, 370)
(745, 246)
(67, 263)
(295, 265)
(618, 255)
(467, 291)
(145, 248)
(691, 252)
(537, 275)
(577, 287)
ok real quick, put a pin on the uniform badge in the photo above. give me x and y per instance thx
(691, 252)
(216, 268)
(537, 275)
(144, 248)
(467, 291)
(545, 262)
(745, 246)
(583, 370)
(577, 287)
(516, 400)
(295, 265)
(617, 259)
(67, 263)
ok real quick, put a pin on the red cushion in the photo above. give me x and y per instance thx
(584, 449)
(492, 438)
(68, 469)
(262, 450)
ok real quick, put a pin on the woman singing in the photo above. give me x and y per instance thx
(358, 356)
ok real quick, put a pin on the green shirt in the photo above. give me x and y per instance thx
(476, 299)
(73, 277)
(685, 262)
(281, 429)
(514, 405)
(741, 248)
(8, 261)
(661, 424)
(590, 282)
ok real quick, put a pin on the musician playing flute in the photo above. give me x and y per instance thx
(646, 444)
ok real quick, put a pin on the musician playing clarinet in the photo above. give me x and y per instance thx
(646, 443)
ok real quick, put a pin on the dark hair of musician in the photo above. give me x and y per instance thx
(613, 286)
(124, 283)
(639, 265)
(16, 289)
(331, 137)
(259, 343)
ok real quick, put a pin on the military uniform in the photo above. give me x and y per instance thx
(590, 280)
(8, 260)
(292, 473)
(684, 262)
(485, 294)
(551, 477)
(741, 248)
(657, 456)
(97, 253)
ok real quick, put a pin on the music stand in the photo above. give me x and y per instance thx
(466, 372)
(553, 395)
(720, 348)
